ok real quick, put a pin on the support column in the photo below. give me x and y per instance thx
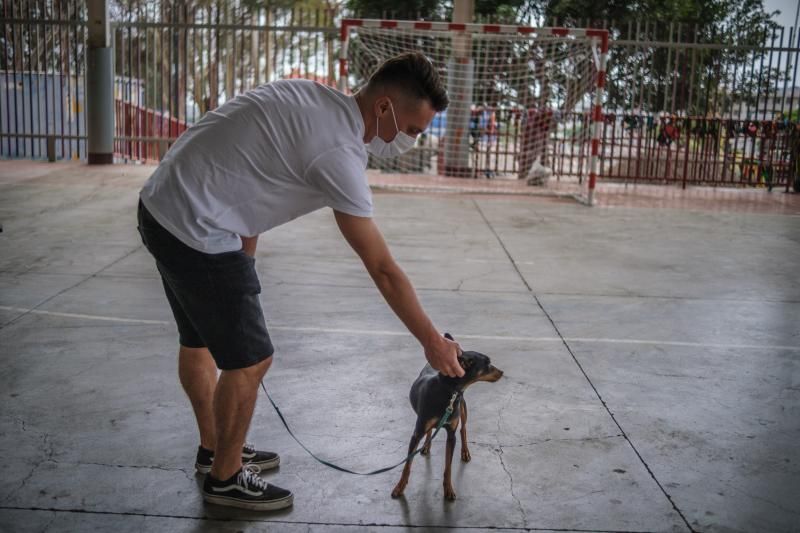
(99, 85)
(459, 88)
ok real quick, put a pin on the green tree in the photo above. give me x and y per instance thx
(510, 11)
(653, 76)
(213, 64)
(695, 80)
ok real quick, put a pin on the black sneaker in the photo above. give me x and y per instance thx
(264, 460)
(246, 490)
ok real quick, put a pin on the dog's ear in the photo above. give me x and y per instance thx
(449, 337)
(464, 362)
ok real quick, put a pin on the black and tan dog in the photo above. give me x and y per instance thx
(430, 395)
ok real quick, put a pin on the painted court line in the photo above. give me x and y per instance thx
(79, 315)
(385, 333)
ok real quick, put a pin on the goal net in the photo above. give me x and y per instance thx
(525, 103)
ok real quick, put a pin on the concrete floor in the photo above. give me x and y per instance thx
(652, 380)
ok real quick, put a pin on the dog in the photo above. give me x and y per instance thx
(430, 395)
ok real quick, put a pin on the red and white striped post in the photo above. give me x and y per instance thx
(597, 112)
(598, 36)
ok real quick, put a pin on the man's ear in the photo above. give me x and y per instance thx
(381, 105)
(449, 337)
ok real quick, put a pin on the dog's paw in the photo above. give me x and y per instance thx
(398, 490)
(449, 494)
(465, 455)
(425, 450)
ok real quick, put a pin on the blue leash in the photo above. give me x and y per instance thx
(442, 421)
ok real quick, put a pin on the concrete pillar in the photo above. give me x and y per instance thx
(459, 87)
(100, 85)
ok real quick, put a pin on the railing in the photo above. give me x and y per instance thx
(42, 71)
(143, 134)
(174, 61)
(698, 150)
(635, 148)
(185, 59)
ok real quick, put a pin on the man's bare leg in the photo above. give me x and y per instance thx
(198, 375)
(234, 401)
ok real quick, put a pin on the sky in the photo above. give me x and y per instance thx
(786, 19)
(788, 10)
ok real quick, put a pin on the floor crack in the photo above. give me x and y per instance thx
(187, 473)
(49, 451)
(580, 367)
(49, 523)
(762, 499)
(543, 441)
(273, 522)
(501, 451)
(84, 279)
(21, 422)
(353, 436)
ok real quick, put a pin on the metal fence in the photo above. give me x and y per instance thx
(42, 67)
(684, 106)
(689, 104)
(692, 150)
(176, 61)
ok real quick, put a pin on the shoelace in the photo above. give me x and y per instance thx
(248, 477)
(249, 448)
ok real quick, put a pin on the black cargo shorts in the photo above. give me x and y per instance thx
(214, 297)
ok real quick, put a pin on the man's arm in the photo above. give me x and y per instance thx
(367, 241)
(249, 245)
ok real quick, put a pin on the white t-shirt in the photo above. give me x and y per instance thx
(261, 159)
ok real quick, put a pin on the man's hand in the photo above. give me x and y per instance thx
(443, 354)
(367, 241)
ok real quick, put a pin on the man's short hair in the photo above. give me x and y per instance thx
(414, 75)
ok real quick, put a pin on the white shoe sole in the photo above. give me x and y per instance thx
(272, 505)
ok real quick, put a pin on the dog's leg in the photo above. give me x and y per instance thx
(449, 493)
(465, 455)
(426, 448)
(412, 445)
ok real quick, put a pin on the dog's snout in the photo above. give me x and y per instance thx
(494, 374)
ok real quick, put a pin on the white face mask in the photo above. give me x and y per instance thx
(401, 143)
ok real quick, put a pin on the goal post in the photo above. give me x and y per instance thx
(525, 102)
